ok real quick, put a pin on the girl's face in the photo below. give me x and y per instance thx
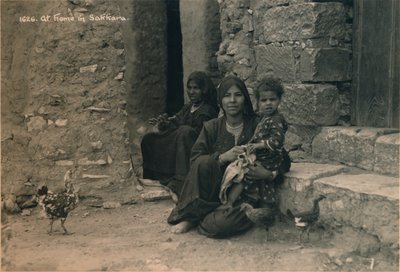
(268, 102)
(194, 92)
(233, 101)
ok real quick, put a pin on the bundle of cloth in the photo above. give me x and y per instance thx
(235, 173)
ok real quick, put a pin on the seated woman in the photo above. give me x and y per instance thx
(166, 154)
(219, 143)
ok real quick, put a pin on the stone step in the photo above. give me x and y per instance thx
(362, 200)
(366, 201)
(297, 190)
(373, 149)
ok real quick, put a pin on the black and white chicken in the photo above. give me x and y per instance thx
(57, 206)
(306, 219)
(261, 217)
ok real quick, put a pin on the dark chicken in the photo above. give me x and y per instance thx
(261, 217)
(306, 219)
(57, 206)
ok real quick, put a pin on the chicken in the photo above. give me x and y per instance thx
(261, 217)
(306, 219)
(57, 206)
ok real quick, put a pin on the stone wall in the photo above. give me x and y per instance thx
(307, 44)
(64, 96)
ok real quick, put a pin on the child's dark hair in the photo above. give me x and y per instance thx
(269, 84)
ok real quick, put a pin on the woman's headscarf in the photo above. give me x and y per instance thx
(229, 81)
(208, 90)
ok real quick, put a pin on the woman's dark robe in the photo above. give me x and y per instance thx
(167, 155)
(200, 193)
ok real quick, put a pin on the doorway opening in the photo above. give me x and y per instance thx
(376, 59)
(175, 89)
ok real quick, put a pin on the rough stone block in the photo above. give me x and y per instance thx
(304, 21)
(36, 123)
(155, 194)
(300, 137)
(261, 6)
(325, 64)
(61, 122)
(292, 140)
(257, 4)
(359, 147)
(90, 176)
(306, 104)
(387, 154)
(120, 76)
(90, 69)
(242, 71)
(248, 23)
(64, 163)
(54, 144)
(96, 145)
(87, 162)
(275, 61)
(111, 205)
(338, 144)
(369, 202)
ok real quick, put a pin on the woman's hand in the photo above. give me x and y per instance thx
(232, 154)
(251, 148)
(258, 172)
(159, 119)
(153, 121)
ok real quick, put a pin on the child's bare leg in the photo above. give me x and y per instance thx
(234, 193)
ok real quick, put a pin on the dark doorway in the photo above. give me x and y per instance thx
(376, 63)
(175, 98)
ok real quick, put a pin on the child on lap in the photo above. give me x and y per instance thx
(265, 147)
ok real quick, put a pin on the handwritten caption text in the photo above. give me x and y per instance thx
(59, 18)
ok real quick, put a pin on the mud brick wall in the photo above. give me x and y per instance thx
(145, 40)
(63, 96)
(307, 44)
(146, 56)
(201, 36)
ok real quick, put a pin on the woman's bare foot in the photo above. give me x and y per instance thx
(182, 227)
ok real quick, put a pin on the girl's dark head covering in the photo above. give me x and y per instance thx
(207, 87)
(229, 81)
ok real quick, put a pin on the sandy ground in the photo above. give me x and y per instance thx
(137, 237)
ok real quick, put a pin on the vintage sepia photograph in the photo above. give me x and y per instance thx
(200, 135)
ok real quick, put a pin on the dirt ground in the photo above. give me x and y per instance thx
(136, 237)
